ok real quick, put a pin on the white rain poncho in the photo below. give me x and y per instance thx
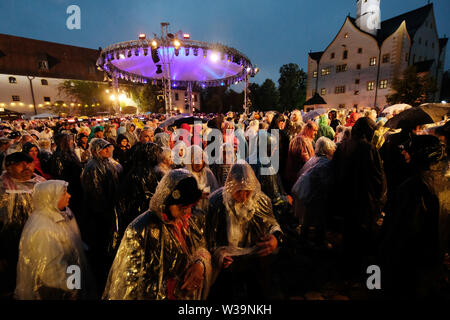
(233, 227)
(151, 261)
(206, 180)
(49, 245)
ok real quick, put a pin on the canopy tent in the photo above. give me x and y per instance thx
(6, 114)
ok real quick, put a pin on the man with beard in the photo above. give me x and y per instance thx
(16, 185)
(241, 232)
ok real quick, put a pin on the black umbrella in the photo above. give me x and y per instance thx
(180, 119)
(426, 113)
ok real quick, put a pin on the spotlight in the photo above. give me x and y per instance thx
(177, 52)
(186, 51)
(214, 57)
(176, 43)
(158, 69)
(136, 52)
(155, 56)
(129, 54)
(154, 44)
(145, 51)
(205, 52)
(142, 36)
(195, 51)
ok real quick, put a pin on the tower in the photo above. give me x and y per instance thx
(368, 15)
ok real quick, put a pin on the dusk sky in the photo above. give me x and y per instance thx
(270, 32)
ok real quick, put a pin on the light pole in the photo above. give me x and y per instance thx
(32, 92)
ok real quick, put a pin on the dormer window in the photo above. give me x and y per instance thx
(43, 65)
(12, 80)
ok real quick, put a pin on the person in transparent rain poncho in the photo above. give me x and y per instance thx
(163, 254)
(242, 233)
(16, 187)
(49, 246)
(206, 180)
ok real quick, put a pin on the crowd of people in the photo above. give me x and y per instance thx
(142, 210)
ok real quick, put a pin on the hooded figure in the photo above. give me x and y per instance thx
(139, 184)
(130, 133)
(411, 256)
(40, 159)
(16, 187)
(163, 253)
(99, 225)
(65, 165)
(49, 244)
(206, 180)
(361, 181)
(324, 129)
(240, 226)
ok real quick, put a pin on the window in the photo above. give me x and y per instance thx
(356, 81)
(386, 58)
(358, 67)
(315, 74)
(373, 61)
(341, 68)
(370, 85)
(46, 99)
(43, 65)
(420, 40)
(383, 84)
(356, 92)
(323, 91)
(195, 98)
(339, 89)
(332, 55)
(341, 106)
(346, 35)
(345, 55)
(44, 82)
(326, 71)
(359, 50)
(15, 98)
(176, 97)
(12, 80)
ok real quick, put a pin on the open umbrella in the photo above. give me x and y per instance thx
(395, 107)
(179, 120)
(314, 113)
(426, 113)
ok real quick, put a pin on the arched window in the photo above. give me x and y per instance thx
(12, 80)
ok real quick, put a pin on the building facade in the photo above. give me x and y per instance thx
(31, 72)
(359, 65)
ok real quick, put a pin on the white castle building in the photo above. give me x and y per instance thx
(358, 66)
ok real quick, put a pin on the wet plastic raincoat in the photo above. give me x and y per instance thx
(49, 244)
(151, 262)
(206, 180)
(233, 229)
(15, 208)
(99, 225)
(139, 184)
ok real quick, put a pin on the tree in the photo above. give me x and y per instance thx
(146, 97)
(269, 96)
(212, 99)
(234, 101)
(292, 87)
(412, 88)
(254, 95)
(91, 95)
